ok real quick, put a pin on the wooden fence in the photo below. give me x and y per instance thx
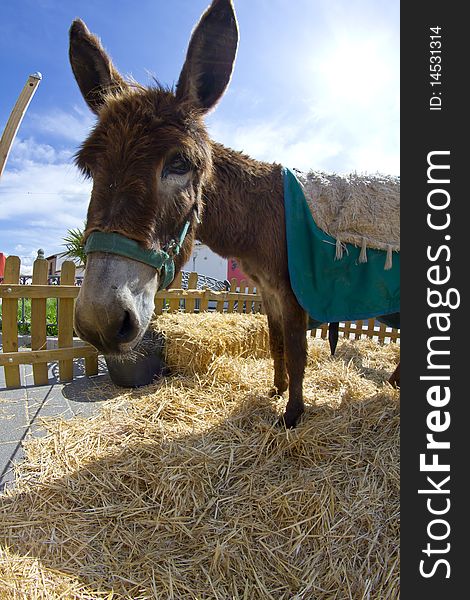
(241, 298)
(40, 354)
(359, 329)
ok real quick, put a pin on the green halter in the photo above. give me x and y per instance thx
(161, 260)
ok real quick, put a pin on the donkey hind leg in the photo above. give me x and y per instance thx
(295, 342)
(395, 377)
(276, 343)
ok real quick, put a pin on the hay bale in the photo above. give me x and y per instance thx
(186, 490)
(194, 341)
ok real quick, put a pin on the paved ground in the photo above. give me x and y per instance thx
(21, 409)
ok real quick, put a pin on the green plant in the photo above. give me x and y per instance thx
(24, 316)
(75, 248)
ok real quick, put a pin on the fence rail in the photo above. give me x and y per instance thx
(240, 298)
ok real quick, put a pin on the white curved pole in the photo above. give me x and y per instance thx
(16, 117)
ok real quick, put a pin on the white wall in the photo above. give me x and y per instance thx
(60, 260)
(208, 263)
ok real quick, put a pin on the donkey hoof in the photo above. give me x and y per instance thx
(288, 421)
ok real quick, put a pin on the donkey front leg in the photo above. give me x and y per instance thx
(276, 341)
(295, 342)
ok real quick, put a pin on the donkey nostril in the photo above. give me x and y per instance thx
(128, 329)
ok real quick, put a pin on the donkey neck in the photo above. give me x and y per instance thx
(241, 196)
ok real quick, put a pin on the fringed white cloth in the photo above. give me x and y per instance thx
(363, 210)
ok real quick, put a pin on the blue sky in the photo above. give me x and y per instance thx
(316, 85)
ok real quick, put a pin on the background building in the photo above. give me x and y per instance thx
(206, 262)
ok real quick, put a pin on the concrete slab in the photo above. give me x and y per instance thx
(13, 416)
(22, 409)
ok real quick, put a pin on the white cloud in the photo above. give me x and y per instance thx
(49, 192)
(308, 142)
(73, 127)
(278, 141)
(42, 195)
(28, 152)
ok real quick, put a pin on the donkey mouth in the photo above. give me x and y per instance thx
(123, 349)
(120, 343)
(114, 349)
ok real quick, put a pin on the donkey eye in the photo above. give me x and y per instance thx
(177, 165)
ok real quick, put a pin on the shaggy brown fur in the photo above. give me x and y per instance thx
(240, 200)
(137, 129)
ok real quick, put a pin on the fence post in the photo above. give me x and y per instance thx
(382, 333)
(256, 305)
(346, 329)
(65, 318)
(192, 285)
(91, 365)
(249, 303)
(233, 289)
(220, 306)
(371, 328)
(38, 322)
(358, 333)
(159, 304)
(204, 301)
(174, 303)
(10, 320)
(241, 302)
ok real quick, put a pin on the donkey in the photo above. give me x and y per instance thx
(160, 182)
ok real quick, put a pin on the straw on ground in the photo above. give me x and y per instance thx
(185, 489)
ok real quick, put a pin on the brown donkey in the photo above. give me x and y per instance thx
(157, 178)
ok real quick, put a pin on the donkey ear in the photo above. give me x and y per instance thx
(211, 54)
(92, 67)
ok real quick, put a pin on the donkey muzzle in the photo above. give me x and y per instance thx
(115, 303)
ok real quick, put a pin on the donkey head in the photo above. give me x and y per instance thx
(149, 156)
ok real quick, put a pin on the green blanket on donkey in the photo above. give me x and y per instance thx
(332, 290)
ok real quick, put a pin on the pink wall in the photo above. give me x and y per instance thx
(234, 271)
(2, 263)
